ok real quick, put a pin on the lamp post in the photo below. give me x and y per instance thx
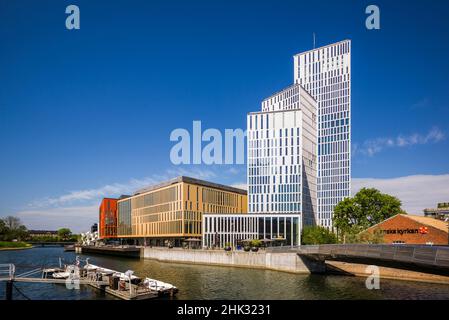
(447, 220)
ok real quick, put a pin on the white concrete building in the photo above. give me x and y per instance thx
(326, 74)
(282, 153)
(221, 230)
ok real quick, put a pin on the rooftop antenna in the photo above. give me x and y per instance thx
(314, 40)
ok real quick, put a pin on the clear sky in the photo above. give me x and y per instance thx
(88, 113)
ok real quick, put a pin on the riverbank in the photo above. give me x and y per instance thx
(6, 245)
(362, 270)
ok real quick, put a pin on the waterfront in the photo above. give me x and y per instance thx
(210, 282)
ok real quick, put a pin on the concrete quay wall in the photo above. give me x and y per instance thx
(288, 262)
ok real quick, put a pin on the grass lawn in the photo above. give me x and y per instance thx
(13, 245)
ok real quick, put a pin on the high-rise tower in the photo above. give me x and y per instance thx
(282, 146)
(326, 74)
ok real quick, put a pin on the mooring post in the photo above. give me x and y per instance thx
(9, 290)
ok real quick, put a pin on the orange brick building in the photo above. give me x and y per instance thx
(108, 218)
(410, 229)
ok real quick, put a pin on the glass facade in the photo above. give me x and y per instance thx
(277, 229)
(171, 211)
(108, 218)
(124, 218)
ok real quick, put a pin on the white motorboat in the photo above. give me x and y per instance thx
(47, 273)
(104, 271)
(70, 270)
(61, 275)
(161, 287)
(96, 273)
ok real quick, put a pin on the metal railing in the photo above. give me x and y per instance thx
(7, 271)
(419, 254)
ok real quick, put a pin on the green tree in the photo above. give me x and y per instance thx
(75, 237)
(317, 235)
(3, 230)
(64, 233)
(12, 228)
(367, 208)
(20, 233)
(12, 223)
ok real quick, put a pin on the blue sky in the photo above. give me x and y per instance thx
(88, 113)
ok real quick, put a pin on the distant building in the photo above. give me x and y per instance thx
(42, 233)
(411, 229)
(440, 212)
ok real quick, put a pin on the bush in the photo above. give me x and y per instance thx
(7, 244)
(365, 237)
(64, 234)
(317, 235)
(256, 243)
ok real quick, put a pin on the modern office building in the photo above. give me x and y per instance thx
(171, 212)
(282, 152)
(440, 212)
(221, 230)
(94, 227)
(298, 168)
(326, 74)
(108, 218)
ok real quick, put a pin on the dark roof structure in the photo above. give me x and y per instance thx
(192, 181)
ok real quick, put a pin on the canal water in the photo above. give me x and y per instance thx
(211, 282)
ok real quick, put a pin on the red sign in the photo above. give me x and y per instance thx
(423, 230)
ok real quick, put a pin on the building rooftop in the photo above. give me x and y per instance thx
(430, 222)
(443, 205)
(440, 207)
(42, 231)
(274, 111)
(289, 88)
(323, 47)
(192, 181)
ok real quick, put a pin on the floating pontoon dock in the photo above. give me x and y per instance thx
(125, 286)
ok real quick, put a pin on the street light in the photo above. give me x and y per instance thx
(447, 220)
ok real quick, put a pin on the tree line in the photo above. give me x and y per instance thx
(12, 229)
